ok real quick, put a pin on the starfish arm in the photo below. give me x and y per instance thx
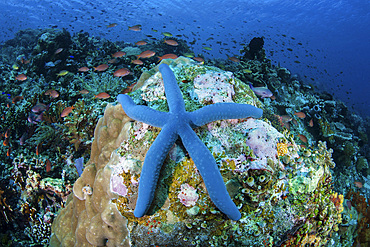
(209, 171)
(142, 113)
(221, 111)
(152, 166)
(174, 97)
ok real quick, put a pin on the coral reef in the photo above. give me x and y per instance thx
(274, 169)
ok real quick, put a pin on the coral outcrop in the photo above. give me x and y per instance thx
(90, 218)
(282, 189)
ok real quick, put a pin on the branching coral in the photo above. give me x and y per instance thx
(97, 83)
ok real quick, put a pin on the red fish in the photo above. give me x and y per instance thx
(300, 114)
(358, 184)
(121, 72)
(83, 69)
(146, 54)
(59, 50)
(142, 42)
(303, 138)
(129, 88)
(52, 93)
(234, 59)
(84, 91)
(38, 148)
(66, 111)
(102, 96)
(112, 61)
(112, 25)
(119, 54)
(171, 42)
(310, 123)
(168, 56)
(137, 62)
(7, 133)
(39, 107)
(101, 67)
(135, 28)
(6, 142)
(21, 77)
(17, 99)
(48, 165)
(199, 59)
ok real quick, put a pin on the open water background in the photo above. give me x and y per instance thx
(334, 34)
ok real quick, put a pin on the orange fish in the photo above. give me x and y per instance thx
(7, 133)
(84, 91)
(171, 42)
(142, 42)
(119, 54)
(9, 151)
(21, 77)
(59, 50)
(38, 148)
(66, 111)
(146, 54)
(102, 96)
(52, 93)
(121, 72)
(135, 28)
(234, 59)
(199, 59)
(24, 61)
(112, 25)
(83, 69)
(358, 184)
(129, 88)
(137, 62)
(303, 138)
(168, 56)
(300, 114)
(48, 165)
(6, 142)
(310, 123)
(101, 67)
(17, 99)
(112, 61)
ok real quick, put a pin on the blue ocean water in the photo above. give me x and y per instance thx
(328, 40)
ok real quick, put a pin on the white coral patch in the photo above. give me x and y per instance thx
(214, 87)
(188, 195)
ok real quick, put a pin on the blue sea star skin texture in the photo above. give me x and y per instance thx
(180, 123)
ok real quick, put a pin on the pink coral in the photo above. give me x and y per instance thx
(262, 138)
(188, 195)
(117, 185)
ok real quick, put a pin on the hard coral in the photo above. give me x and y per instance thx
(91, 218)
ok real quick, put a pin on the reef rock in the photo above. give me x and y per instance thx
(282, 190)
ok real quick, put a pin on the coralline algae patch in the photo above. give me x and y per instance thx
(282, 190)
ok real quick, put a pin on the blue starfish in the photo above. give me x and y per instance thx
(178, 122)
